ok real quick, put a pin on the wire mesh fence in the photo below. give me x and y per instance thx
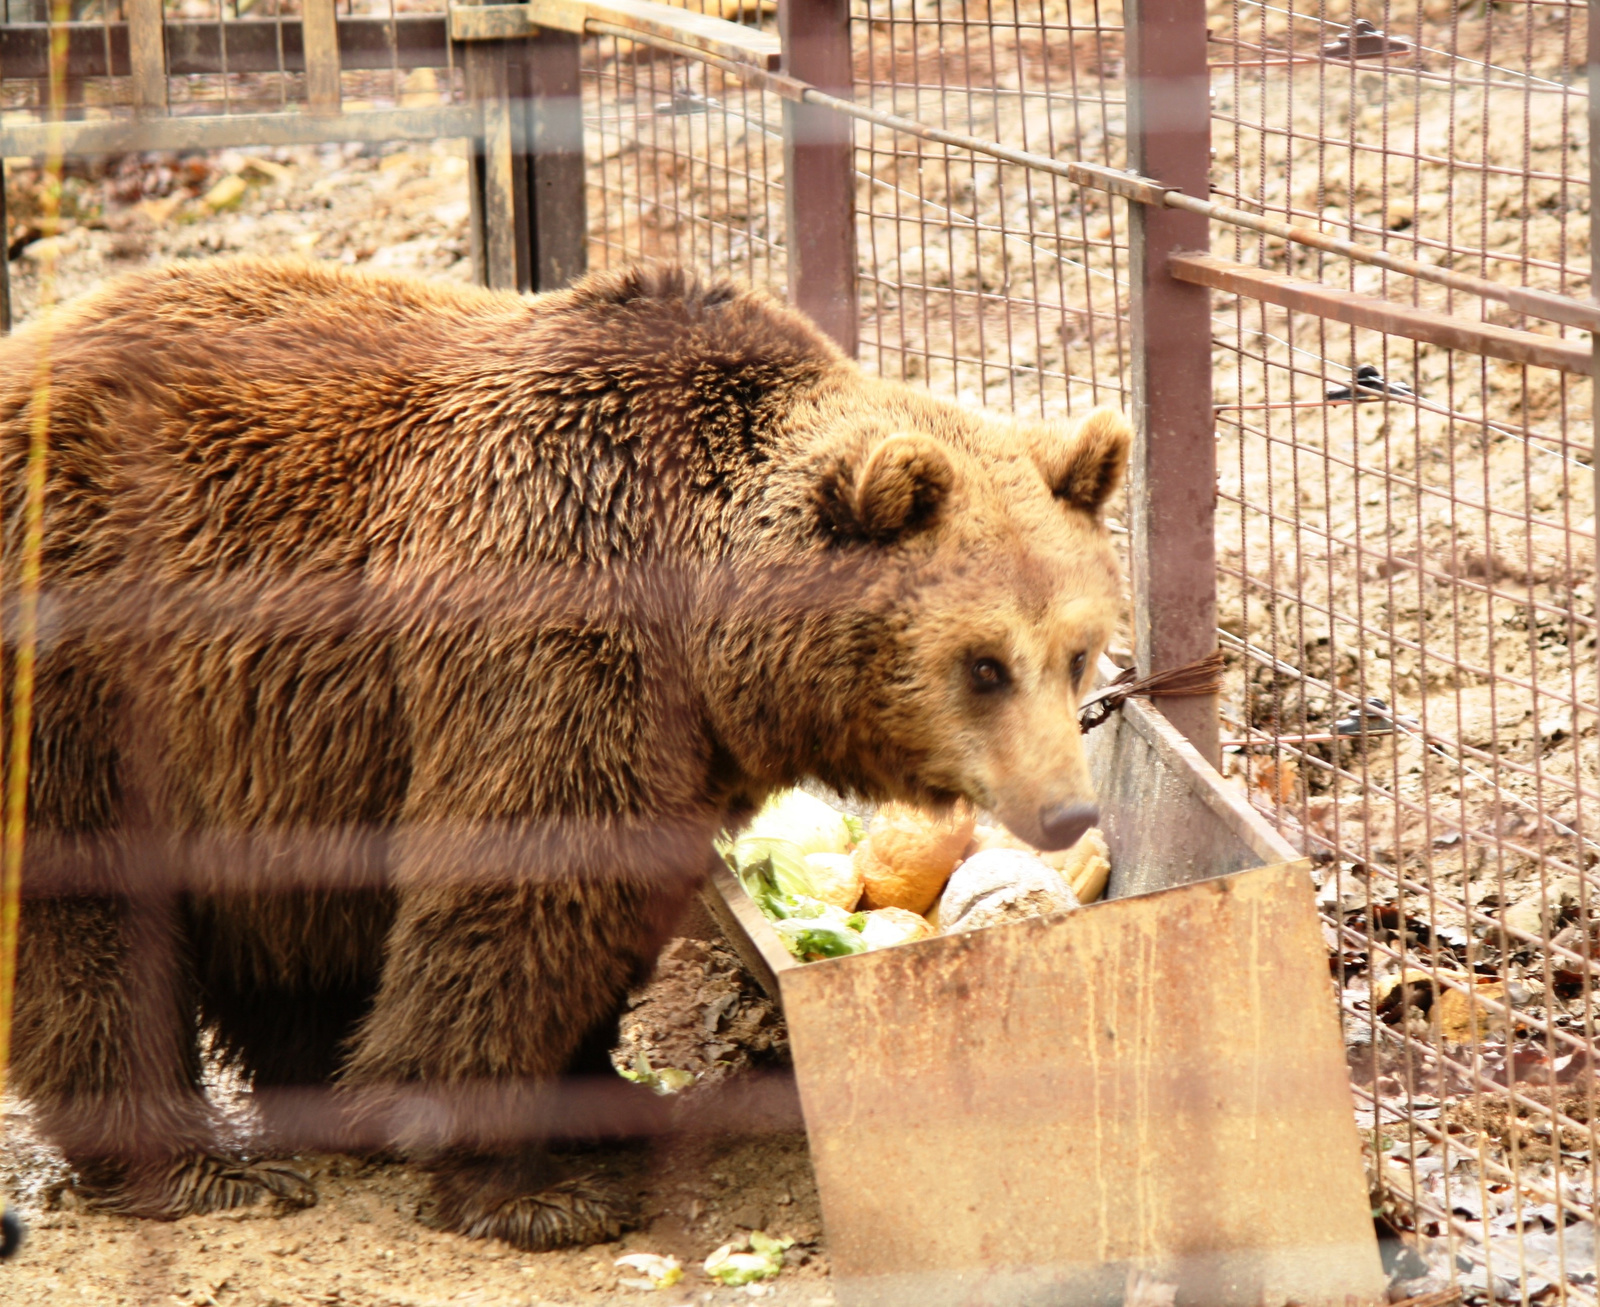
(682, 162)
(1405, 531)
(983, 280)
(1407, 596)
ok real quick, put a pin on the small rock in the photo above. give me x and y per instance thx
(748, 1216)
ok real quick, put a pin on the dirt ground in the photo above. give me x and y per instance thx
(362, 1244)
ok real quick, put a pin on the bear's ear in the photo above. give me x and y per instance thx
(1089, 468)
(899, 489)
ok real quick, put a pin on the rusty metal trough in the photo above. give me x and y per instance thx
(1154, 1084)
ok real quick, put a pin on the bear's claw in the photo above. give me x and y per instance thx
(194, 1184)
(575, 1211)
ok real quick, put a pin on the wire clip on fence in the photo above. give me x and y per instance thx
(1203, 676)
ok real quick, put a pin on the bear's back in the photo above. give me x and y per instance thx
(251, 415)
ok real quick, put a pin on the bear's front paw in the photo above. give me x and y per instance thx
(193, 1184)
(481, 1199)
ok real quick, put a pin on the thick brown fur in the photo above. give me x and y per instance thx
(405, 647)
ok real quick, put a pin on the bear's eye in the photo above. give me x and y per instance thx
(989, 675)
(1080, 663)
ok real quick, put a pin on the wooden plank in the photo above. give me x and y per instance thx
(1030, 1113)
(1173, 471)
(558, 224)
(148, 56)
(321, 31)
(819, 169)
(1376, 314)
(697, 31)
(216, 132)
(501, 241)
(482, 22)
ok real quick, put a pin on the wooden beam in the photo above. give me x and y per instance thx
(147, 55)
(224, 131)
(250, 46)
(321, 29)
(499, 186)
(697, 31)
(1376, 314)
(819, 189)
(558, 226)
(5, 261)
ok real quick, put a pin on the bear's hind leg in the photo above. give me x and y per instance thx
(284, 981)
(106, 1051)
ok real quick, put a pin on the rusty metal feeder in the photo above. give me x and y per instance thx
(1152, 1085)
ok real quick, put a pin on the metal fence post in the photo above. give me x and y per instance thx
(1594, 250)
(819, 168)
(1173, 478)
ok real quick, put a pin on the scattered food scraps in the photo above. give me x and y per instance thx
(758, 1257)
(665, 1080)
(655, 1271)
(808, 867)
(908, 854)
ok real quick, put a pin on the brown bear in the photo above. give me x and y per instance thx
(405, 646)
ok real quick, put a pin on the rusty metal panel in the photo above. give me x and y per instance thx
(1028, 1113)
(1025, 1114)
(1168, 818)
(1173, 472)
(819, 169)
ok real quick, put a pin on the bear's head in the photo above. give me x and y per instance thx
(960, 588)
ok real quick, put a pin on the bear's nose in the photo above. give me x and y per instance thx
(1064, 823)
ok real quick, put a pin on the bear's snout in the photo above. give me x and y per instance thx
(1063, 824)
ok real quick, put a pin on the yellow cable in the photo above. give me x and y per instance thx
(16, 797)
